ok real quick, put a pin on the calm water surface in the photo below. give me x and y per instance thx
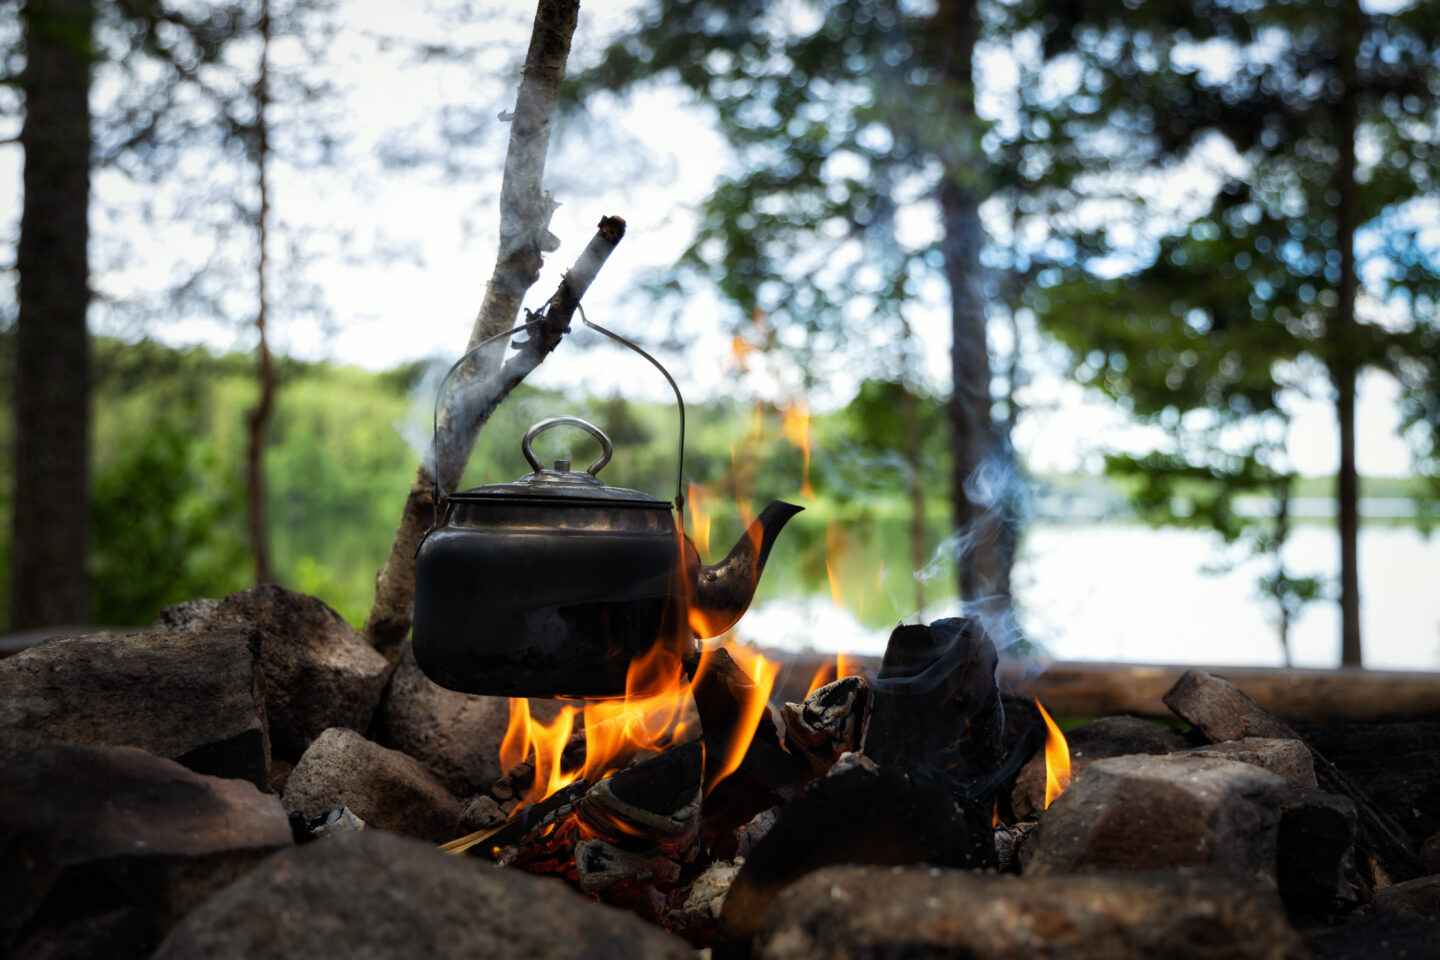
(1130, 593)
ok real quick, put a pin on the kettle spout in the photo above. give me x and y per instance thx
(721, 592)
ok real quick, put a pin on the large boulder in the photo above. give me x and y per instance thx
(319, 671)
(383, 787)
(1096, 740)
(1156, 813)
(377, 896)
(456, 735)
(197, 698)
(919, 913)
(106, 847)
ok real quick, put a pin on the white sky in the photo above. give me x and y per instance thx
(406, 307)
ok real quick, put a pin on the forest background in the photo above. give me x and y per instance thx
(171, 264)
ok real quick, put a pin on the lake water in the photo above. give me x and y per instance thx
(1131, 593)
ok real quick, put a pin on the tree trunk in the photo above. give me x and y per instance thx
(49, 581)
(1342, 364)
(265, 371)
(524, 236)
(981, 479)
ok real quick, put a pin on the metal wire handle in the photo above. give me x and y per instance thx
(440, 393)
(679, 401)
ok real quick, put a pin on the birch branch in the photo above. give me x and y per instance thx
(525, 211)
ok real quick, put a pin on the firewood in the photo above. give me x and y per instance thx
(1096, 689)
(522, 826)
(830, 722)
(600, 866)
(657, 799)
(767, 774)
(936, 708)
(1221, 711)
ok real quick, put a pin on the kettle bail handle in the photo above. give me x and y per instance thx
(679, 402)
(606, 447)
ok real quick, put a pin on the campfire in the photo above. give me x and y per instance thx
(659, 801)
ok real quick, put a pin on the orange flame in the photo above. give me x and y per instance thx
(740, 350)
(698, 499)
(826, 673)
(518, 739)
(1057, 758)
(763, 672)
(796, 427)
(549, 743)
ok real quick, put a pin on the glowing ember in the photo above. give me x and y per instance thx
(1057, 758)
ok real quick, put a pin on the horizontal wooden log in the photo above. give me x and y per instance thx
(1097, 689)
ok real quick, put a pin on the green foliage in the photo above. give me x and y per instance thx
(160, 535)
(1199, 315)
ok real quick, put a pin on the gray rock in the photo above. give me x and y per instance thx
(319, 671)
(456, 735)
(1155, 813)
(919, 913)
(100, 838)
(373, 895)
(1413, 898)
(383, 787)
(198, 698)
(1097, 740)
(1289, 759)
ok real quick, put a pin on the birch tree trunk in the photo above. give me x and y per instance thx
(525, 211)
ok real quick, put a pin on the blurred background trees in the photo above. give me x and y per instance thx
(1205, 215)
(1307, 142)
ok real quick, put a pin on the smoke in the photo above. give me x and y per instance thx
(416, 427)
(984, 548)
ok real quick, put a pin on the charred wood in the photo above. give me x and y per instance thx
(936, 708)
(1394, 763)
(521, 829)
(767, 774)
(830, 722)
(695, 909)
(1221, 711)
(655, 802)
(601, 867)
(1314, 862)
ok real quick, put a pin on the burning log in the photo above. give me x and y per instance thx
(766, 774)
(936, 707)
(1221, 711)
(657, 800)
(829, 723)
(503, 842)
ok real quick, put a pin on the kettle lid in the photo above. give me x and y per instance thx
(562, 482)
